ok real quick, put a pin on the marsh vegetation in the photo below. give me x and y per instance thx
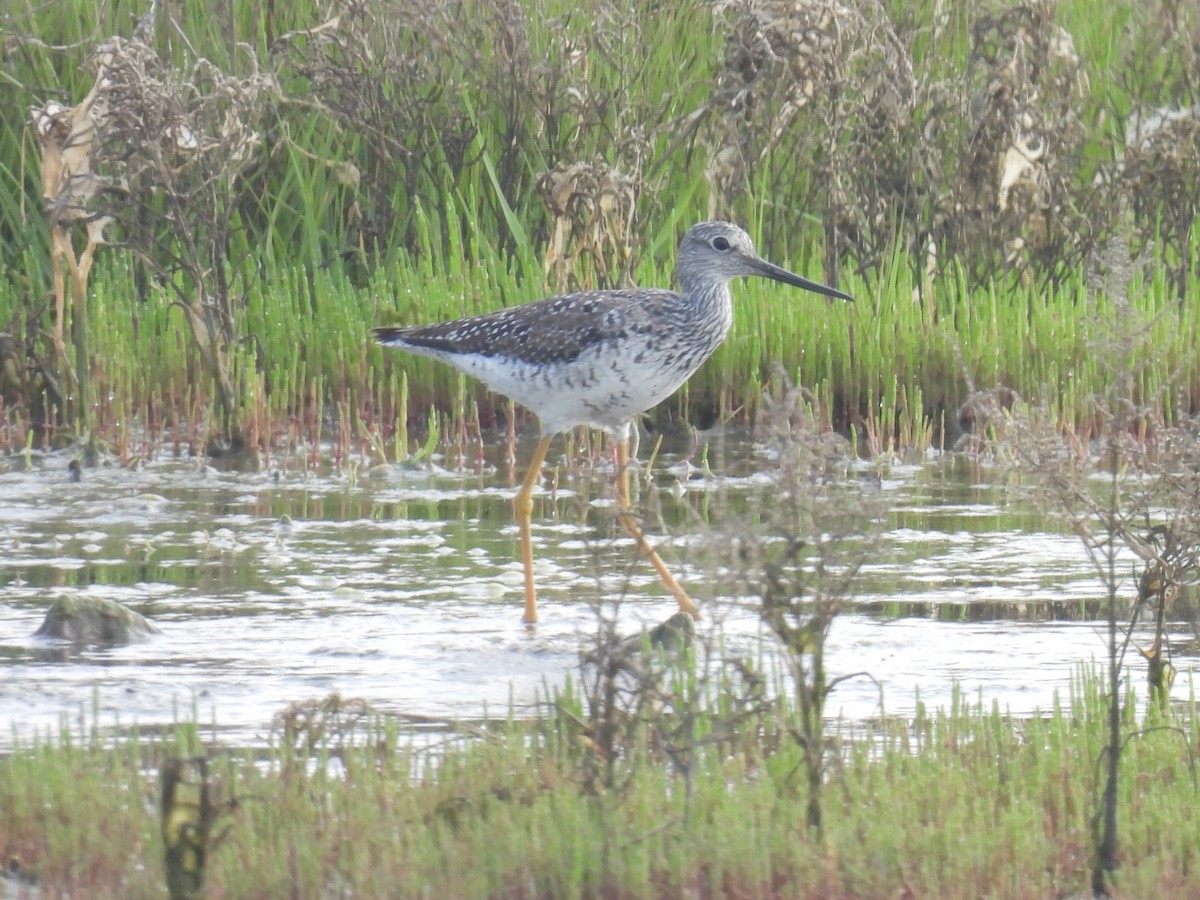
(207, 210)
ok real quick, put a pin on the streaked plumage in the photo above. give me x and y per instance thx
(601, 358)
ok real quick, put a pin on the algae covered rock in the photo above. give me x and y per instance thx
(94, 620)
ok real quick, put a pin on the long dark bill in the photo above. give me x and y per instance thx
(775, 273)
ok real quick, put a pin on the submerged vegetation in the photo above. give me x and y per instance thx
(208, 209)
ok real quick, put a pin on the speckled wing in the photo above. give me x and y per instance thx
(552, 331)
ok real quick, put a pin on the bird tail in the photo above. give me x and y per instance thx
(390, 336)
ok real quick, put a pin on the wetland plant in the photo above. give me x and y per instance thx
(1134, 487)
(955, 802)
(265, 173)
(669, 690)
(158, 152)
(795, 562)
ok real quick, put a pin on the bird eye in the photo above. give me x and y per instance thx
(720, 244)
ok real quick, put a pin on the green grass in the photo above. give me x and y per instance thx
(961, 802)
(427, 207)
(881, 358)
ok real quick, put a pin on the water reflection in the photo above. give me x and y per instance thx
(401, 586)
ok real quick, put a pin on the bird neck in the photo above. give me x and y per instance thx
(709, 306)
(704, 296)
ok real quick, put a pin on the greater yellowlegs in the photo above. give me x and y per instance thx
(600, 358)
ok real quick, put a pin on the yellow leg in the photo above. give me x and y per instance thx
(631, 526)
(523, 504)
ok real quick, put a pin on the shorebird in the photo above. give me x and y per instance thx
(601, 358)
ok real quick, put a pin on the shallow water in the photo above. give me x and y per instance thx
(400, 585)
